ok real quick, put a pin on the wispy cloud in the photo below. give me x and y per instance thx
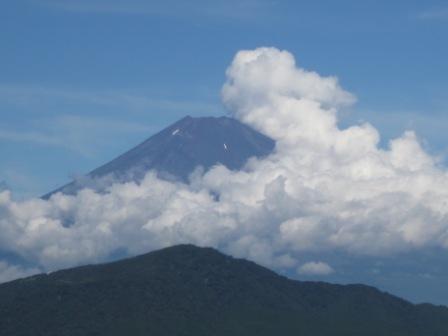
(230, 9)
(26, 96)
(33, 137)
(434, 14)
(80, 134)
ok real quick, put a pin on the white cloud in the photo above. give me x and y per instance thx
(315, 268)
(323, 189)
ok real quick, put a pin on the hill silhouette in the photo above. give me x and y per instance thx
(187, 290)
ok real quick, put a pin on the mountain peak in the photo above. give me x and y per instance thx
(180, 148)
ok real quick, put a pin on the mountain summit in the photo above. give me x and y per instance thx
(187, 290)
(178, 149)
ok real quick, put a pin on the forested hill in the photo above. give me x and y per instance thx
(187, 290)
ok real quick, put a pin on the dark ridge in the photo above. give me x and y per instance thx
(187, 290)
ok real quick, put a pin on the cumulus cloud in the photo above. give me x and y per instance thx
(323, 189)
(315, 268)
(267, 90)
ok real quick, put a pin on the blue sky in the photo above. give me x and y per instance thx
(82, 81)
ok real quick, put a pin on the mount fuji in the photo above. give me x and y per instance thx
(176, 151)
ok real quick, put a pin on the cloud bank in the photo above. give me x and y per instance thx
(323, 189)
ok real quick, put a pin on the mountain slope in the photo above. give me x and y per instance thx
(186, 290)
(178, 149)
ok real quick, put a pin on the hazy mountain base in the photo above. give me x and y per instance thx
(186, 290)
